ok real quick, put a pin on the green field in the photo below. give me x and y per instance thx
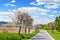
(55, 34)
(15, 36)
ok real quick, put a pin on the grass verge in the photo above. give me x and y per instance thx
(15, 36)
(55, 34)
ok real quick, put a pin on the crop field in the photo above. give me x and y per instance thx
(13, 29)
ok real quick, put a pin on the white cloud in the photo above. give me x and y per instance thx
(56, 3)
(35, 10)
(36, 4)
(33, 3)
(48, 1)
(9, 4)
(59, 12)
(51, 15)
(53, 12)
(6, 13)
(13, 1)
(10, 10)
(0, 18)
(56, 0)
(34, 16)
(51, 6)
(4, 16)
(42, 21)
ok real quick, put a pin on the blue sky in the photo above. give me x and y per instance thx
(42, 11)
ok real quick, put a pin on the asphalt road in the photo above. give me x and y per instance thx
(42, 35)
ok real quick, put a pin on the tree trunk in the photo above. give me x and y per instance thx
(52, 29)
(19, 30)
(25, 30)
(29, 31)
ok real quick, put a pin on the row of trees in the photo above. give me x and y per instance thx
(22, 19)
(53, 25)
(57, 23)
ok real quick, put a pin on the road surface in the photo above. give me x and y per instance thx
(42, 35)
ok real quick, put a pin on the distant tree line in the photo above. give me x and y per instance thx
(53, 25)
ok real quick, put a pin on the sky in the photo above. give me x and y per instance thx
(42, 11)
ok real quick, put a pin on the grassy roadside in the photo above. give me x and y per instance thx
(15, 36)
(55, 34)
